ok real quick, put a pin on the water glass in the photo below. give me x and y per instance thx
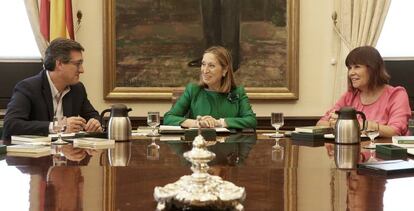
(59, 126)
(372, 133)
(153, 120)
(59, 160)
(153, 151)
(372, 158)
(278, 152)
(277, 121)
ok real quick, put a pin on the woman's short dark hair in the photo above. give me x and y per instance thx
(59, 49)
(223, 56)
(370, 57)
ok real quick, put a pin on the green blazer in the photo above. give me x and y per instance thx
(234, 107)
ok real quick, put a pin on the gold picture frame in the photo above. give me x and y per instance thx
(114, 91)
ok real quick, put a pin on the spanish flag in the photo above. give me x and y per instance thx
(56, 19)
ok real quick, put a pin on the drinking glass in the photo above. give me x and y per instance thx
(278, 151)
(57, 150)
(153, 120)
(372, 133)
(277, 122)
(372, 158)
(153, 150)
(59, 159)
(59, 126)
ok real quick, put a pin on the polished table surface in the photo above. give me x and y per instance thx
(299, 175)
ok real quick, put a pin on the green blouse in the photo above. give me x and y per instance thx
(234, 107)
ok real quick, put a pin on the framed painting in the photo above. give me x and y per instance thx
(152, 47)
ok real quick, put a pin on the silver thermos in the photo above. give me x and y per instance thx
(346, 155)
(120, 155)
(119, 125)
(347, 130)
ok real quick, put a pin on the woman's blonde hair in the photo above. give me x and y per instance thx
(223, 56)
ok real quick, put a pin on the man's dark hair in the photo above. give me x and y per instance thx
(59, 49)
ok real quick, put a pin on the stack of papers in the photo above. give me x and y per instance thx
(171, 129)
(332, 136)
(179, 129)
(410, 151)
(273, 135)
(169, 138)
(93, 143)
(54, 136)
(30, 139)
(405, 142)
(28, 150)
(314, 129)
(142, 131)
(221, 130)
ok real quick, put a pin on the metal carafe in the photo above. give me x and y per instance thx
(119, 125)
(120, 155)
(347, 130)
(346, 155)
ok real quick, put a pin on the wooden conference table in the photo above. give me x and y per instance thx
(301, 175)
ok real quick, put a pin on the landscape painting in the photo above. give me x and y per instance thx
(155, 46)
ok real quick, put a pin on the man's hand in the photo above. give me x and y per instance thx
(73, 154)
(93, 125)
(75, 124)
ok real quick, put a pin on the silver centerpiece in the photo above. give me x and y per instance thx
(200, 189)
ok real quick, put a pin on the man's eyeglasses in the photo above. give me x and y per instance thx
(78, 64)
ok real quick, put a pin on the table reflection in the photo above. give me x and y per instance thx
(278, 151)
(120, 155)
(61, 154)
(153, 150)
(123, 178)
(59, 183)
(233, 150)
(365, 192)
(64, 188)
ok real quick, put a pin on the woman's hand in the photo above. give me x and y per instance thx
(209, 122)
(205, 122)
(330, 150)
(333, 117)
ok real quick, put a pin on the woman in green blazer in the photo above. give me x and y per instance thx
(216, 98)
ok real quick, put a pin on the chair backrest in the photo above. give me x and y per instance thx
(411, 124)
(176, 94)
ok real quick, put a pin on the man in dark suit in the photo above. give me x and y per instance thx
(221, 26)
(54, 92)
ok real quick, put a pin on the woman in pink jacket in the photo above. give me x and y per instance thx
(386, 107)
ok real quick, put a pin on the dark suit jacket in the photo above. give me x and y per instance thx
(30, 110)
